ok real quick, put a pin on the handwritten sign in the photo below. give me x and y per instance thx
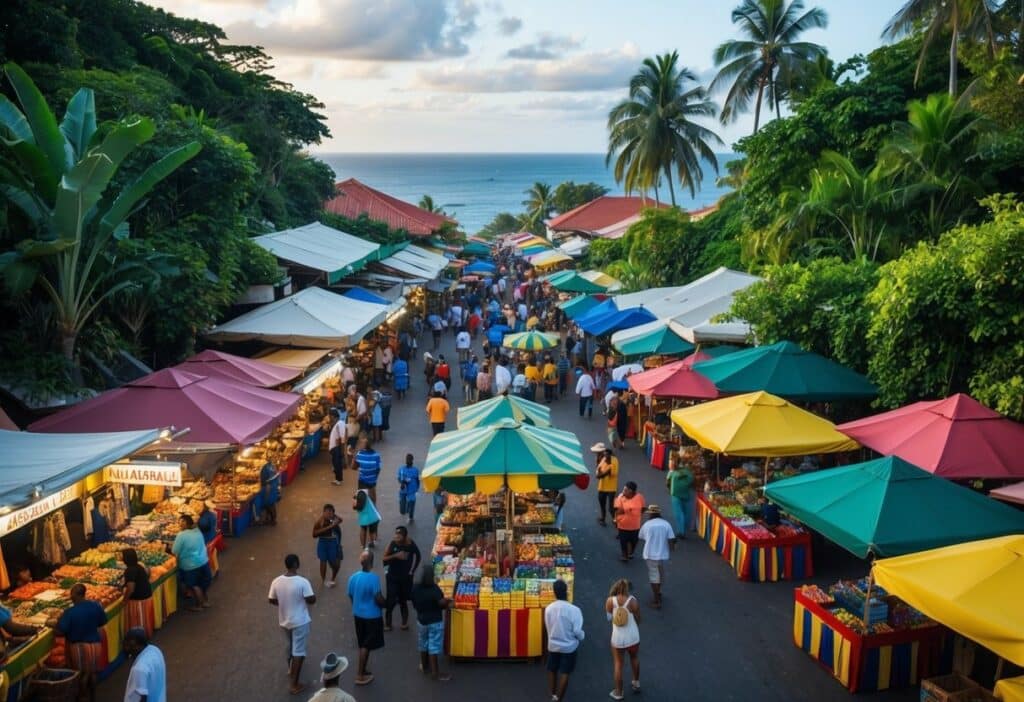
(145, 473)
(39, 508)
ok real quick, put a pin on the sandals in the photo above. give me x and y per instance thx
(616, 695)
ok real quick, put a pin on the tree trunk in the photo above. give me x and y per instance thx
(68, 339)
(671, 188)
(757, 106)
(952, 53)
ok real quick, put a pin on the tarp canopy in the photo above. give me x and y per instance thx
(312, 317)
(480, 267)
(558, 276)
(250, 371)
(486, 458)
(1011, 493)
(301, 359)
(677, 379)
(648, 339)
(957, 437)
(888, 507)
(56, 462)
(759, 424)
(320, 248)
(973, 588)
(214, 410)
(415, 262)
(786, 370)
(594, 312)
(603, 279)
(581, 304)
(614, 321)
(528, 241)
(476, 248)
(547, 258)
(574, 282)
(531, 341)
(575, 246)
(503, 407)
(364, 295)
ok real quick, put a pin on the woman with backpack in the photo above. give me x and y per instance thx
(624, 614)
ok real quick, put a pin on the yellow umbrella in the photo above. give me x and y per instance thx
(1010, 689)
(973, 588)
(760, 424)
(603, 279)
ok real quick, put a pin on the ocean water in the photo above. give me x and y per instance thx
(475, 187)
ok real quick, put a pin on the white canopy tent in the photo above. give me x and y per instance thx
(37, 466)
(311, 318)
(417, 262)
(320, 248)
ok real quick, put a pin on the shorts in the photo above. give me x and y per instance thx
(653, 572)
(561, 663)
(328, 550)
(431, 638)
(200, 577)
(297, 638)
(367, 486)
(369, 633)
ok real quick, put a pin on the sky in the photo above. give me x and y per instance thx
(493, 75)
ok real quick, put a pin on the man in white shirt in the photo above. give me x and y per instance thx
(336, 446)
(456, 316)
(462, 344)
(585, 391)
(147, 679)
(292, 594)
(659, 539)
(502, 377)
(564, 623)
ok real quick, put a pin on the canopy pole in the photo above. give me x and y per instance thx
(999, 670)
(867, 597)
(766, 460)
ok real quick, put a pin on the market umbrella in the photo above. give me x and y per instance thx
(531, 341)
(577, 283)
(614, 321)
(1011, 493)
(626, 369)
(888, 507)
(581, 312)
(676, 379)
(251, 371)
(759, 424)
(503, 407)
(476, 248)
(602, 279)
(477, 267)
(972, 588)
(214, 410)
(957, 437)
(558, 276)
(786, 370)
(648, 339)
(487, 458)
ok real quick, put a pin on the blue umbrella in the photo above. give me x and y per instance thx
(478, 267)
(618, 385)
(614, 321)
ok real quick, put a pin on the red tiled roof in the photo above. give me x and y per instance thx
(600, 213)
(353, 198)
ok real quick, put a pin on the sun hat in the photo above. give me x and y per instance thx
(653, 509)
(332, 666)
(599, 447)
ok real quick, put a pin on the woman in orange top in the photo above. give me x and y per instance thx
(629, 511)
(437, 411)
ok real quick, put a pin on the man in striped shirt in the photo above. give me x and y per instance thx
(368, 462)
(563, 373)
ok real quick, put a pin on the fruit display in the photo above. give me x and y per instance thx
(845, 600)
(741, 498)
(816, 594)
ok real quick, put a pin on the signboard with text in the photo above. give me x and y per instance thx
(145, 473)
(20, 517)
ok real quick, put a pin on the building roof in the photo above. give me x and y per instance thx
(320, 248)
(600, 213)
(353, 198)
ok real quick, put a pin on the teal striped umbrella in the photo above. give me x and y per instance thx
(558, 277)
(531, 341)
(498, 408)
(487, 458)
(574, 282)
(647, 339)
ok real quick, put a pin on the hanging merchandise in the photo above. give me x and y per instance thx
(88, 505)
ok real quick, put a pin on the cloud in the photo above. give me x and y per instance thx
(596, 106)
(509, 25)
(547, 46)
(291, 68)
(375, 30)
(605, 70)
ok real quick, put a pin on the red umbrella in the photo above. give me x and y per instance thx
(215, 410)
(955, 438)
(676, 379)
(250, 371)
(695, 357)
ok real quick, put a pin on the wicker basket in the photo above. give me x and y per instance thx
(943, 687)
(55, 685)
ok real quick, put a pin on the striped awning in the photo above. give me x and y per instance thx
(500, 408)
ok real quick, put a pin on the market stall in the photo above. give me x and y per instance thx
(499, 548)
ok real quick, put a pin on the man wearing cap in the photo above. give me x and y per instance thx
(292, 594)
(659, 538)
(331, 668)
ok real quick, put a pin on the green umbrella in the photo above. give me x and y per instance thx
(652, 338)
(580, 304)
(499, 408)
(786, 370)
(889, 507)
(476, 248)
(577, 283)
(557, 277)
(487, 458)
(531, 341)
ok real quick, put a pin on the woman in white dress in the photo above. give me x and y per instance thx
(624, 614)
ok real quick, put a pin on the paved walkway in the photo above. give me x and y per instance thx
(715, 639)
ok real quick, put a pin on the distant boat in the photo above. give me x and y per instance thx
(454, 204)
(490, 180)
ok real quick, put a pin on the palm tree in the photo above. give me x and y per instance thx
(427, 203)
(650, 133)
(770, 54)
(538, 203)
(972, 18)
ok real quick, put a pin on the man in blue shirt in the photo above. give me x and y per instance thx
(368, 462)
(367, 599)
(80, 625)
(208, 523)
(563, 373)
(193, 562)
(408, 485)
(469, 372)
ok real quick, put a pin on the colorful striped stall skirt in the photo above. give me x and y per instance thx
(495, 633)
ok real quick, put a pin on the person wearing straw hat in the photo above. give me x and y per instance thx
(659, 539)
(331, 668)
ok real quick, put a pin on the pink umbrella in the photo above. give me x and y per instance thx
(250, 371)
(695, 357)
(1010, 493)
(676, 379)
(215, 410)
(955, 438)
